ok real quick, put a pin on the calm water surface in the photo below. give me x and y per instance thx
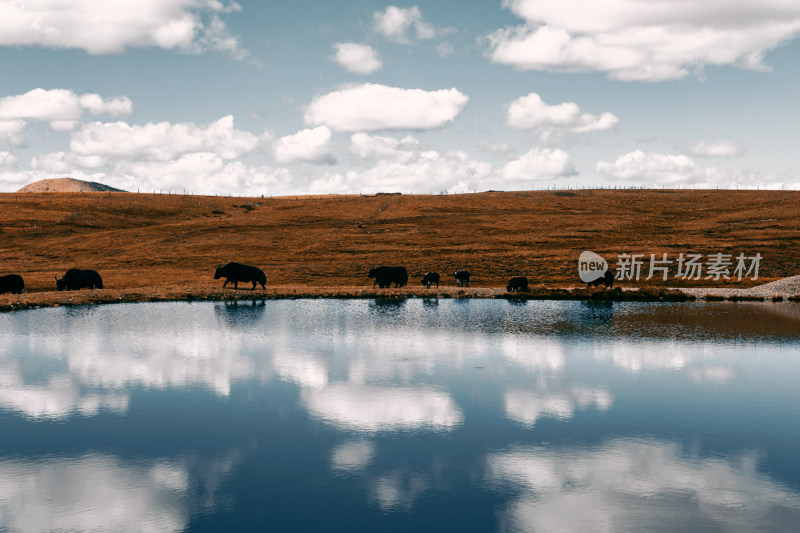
(461, 415)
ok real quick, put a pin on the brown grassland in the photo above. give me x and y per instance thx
(150, 246)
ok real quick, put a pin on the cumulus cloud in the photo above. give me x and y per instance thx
(113, 27)
(11, 132)
(205, 173)
(8, 160)
(539, 164)
(372, 107)
(645, 41)
(530, 112)
(162, 141)
(378, 146)
(396, 24)
(404, 165)
(652, 169)
(357, 58)
(309, 146)
(62, 108)
(723, 148)
(64, 162)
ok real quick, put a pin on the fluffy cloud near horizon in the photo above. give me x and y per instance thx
(307, 146)
(357, 58)
(538, 164)
(197, 173)
(374, 107)
(531, 112)
(643, 41)
(653, 170)
(113, 27)
(724, 148)
(404, 165)
(162, 141)
(396, 23)
(62, 108)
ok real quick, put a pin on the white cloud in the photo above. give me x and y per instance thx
(162, 141)
(203, 173)
(62, 108)
(396, 24)
(653, 169)
(113, 27)
(198, 172)
(11, 131)
(539, 164)
(445, 49)
(377, 146)
(310, 146)
(646, 41)
(529, 112)
(500, 149)
(357, 58)
(8, 160)
(372, 107)
(723, 148)
(404, 165)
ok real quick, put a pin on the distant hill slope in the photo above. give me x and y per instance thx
(67, 185)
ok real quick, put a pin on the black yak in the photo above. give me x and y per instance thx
(429, 278)
(236, 272)
(75, 279)
(385, 276)
(607, 278)
(462, 278)
(517, 284)
(12, 283)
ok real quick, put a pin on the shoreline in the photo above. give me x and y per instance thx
(35, 300)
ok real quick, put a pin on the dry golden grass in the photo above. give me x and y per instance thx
(163, 244)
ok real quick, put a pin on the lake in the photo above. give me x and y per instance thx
(417, 415)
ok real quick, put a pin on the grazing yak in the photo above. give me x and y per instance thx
(429, 278)
(12, 283)
(385, 276)
(462, 278)
(236, 272)
(517, 284)
(75, 279)
(607, 278)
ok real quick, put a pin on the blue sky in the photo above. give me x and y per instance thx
(213, 96)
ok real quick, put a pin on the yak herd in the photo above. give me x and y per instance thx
(235, 273)
(385, 276)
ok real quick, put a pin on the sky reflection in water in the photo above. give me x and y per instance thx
(362, 415)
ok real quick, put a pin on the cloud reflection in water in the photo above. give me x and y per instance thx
(651, 483)
(97, 492)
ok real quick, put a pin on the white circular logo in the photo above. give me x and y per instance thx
(591, 266)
